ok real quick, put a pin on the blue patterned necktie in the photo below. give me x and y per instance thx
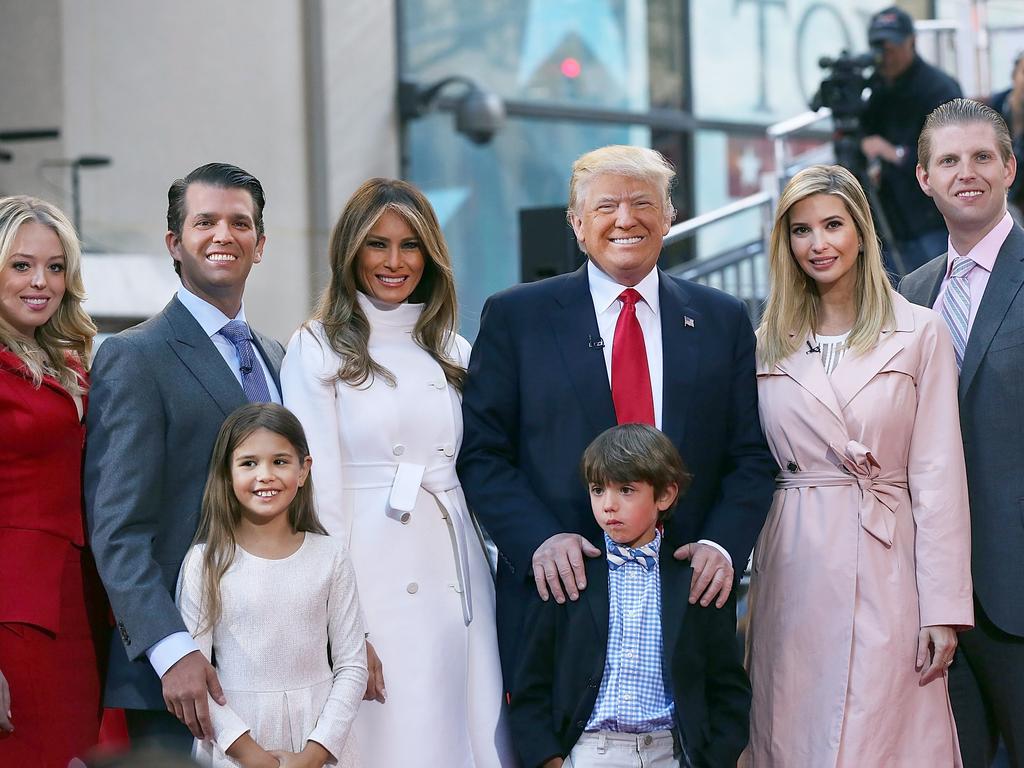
(618, 556)
(254, 384)
(956, 305)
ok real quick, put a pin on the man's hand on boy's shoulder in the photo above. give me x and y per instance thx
(712, 573)
(558, 566)
(554, 762)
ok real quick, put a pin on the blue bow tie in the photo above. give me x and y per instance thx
(647, 555)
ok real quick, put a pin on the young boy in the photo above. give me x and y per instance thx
(631, 674)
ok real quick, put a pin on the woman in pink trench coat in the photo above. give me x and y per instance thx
(861, 574)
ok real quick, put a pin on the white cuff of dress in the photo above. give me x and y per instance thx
(164, 654)
(716, 546)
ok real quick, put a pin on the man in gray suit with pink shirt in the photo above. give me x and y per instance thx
(966, 165)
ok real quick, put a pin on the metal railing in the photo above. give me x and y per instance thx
(743, 270)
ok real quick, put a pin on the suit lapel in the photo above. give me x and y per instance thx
(269, 352)
(198, 354)
(675, 592)
(596, 593)
(680, 342)
(1003, 286)
(932, 274)
(575, 327)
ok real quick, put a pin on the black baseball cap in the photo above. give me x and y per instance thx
(892, 25)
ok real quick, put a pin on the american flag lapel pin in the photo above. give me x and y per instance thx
(687, 321)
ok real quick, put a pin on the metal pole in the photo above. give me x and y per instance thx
(76, 198)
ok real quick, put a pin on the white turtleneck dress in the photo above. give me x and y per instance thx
(384, 480)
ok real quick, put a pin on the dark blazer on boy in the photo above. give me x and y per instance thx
(562, 657)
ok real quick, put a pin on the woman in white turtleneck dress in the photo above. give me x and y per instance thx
(375, 378)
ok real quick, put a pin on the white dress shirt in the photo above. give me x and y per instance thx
(163, 654)
(605, 293)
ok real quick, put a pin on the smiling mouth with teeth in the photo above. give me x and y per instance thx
(392, 280)
(266, 494)
(969, 193)
(626, 240)
(221, 257)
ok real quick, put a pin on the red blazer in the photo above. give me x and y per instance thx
(41, 510)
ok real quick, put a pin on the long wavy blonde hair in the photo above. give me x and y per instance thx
(345, 324)
(792, 309)
(221, 511)
(70, 331)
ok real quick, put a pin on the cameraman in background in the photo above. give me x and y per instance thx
(904, 89)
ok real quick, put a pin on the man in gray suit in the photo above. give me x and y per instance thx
(966, 166)
(160, 392)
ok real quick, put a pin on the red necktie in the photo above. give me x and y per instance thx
(631, 378)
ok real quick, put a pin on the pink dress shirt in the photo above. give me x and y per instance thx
(984, 255)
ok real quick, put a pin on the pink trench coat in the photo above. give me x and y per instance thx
(868, 540)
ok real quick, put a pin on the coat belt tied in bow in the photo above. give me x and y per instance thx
(855, 465)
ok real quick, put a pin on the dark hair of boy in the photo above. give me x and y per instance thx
(630, 453)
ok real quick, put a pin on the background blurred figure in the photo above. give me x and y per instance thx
(870, 525)
(1010, 104)
(967, 165)
(376, 379)
(53, 618)
(160, 393)
(904, 89)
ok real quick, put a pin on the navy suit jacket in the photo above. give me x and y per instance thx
(537, 393)
(992, 423)
(160, 392)
(562, 661)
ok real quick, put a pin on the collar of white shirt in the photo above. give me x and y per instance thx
(606, 291)
(208, 316)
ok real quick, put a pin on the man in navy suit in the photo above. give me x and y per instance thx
(559, 361)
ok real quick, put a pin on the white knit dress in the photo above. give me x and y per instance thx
(384, 479)
(271, 650)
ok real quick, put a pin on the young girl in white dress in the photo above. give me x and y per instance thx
(265, 592)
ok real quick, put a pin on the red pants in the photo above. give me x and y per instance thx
(55, 678)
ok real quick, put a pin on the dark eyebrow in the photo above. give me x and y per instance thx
(212, 215)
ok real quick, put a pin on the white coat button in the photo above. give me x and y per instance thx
(448, 449)
(398, 450)
(405, 518)
(413, 588)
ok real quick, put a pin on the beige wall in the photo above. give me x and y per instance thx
(31, 91)
(164, 87)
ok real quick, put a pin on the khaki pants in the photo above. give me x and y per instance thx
(604, 749)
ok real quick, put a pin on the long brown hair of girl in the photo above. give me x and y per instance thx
(221, 512)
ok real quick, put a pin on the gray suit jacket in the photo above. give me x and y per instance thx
(992, 422)
(160, 392)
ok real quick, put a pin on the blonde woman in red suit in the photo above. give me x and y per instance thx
(52, 607)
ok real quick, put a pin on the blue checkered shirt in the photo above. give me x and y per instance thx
(633, 697)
